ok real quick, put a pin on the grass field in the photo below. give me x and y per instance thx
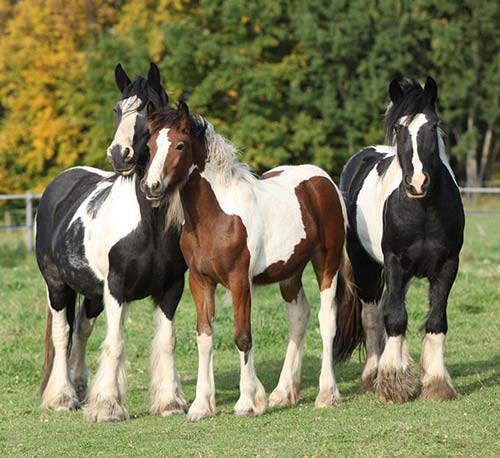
(360, 426)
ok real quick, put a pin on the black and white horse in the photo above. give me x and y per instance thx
(406, 220)
(98, 236)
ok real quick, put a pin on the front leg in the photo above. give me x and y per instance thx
(167, 397)
(252, 399)
(435, 379)
(203, 291)
(395, 382)
(109, 389)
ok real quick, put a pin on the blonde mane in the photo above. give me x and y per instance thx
(222, 158)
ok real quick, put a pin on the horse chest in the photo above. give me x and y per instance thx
(117, 216)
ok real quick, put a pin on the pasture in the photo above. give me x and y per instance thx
(360, 426)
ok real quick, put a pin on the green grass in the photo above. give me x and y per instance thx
(360, 426)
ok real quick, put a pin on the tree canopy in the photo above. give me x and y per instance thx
(286, 81)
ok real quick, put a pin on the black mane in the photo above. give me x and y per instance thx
(141, 88)
(411, 103)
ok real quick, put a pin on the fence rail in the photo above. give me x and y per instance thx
(30, 197)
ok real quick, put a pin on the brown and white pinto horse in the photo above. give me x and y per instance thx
(240, 231)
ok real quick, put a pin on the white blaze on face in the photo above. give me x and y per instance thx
(418, 177)
(124, 135)
(158, 163)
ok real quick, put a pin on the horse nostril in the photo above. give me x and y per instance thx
(156, 186)
(126, 154)
(407, 180)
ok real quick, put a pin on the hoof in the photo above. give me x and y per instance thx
(200, 410)
(64, 401)
(395, 386)
(248, 407)
(438, 389)
(102, 410)
(368, 383)
(81, 390)
(327, 398)
(282, 397)
(175, 406)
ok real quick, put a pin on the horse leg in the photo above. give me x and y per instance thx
(252, 400)
(395, 382)
(368, 279)
(203, 291)
(85, 320)
(435, 379)
(287, 391)
(166, 392)
(109, 388)
(57, 391)
(326, 265)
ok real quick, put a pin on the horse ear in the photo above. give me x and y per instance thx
(395, 91)
(121, 78)
(154, 78)
(183, 113)
(430, 91)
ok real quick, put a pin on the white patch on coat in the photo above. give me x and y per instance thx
(155, 170)
(268, 208)
(117, 217)
(165, 383)
(59, 393)
(110, 381)
(327, 317)
(395, 354)
(418, 177)
(433, 358)
(289, 381)
(124, 135)
(370, 203)
(102, 173)
(252, 400)
(204, 403)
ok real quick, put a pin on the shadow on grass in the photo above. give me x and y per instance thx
(478, 368)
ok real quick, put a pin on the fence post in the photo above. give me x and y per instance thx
(29, 220)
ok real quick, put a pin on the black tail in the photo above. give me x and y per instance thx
(349, 326)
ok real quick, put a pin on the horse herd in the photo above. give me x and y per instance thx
(180, 199)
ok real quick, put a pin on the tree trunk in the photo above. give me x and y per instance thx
(471, 167)
(486, 154)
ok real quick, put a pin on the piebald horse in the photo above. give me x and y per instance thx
(97, 236)
(242, 230)
(405, 220)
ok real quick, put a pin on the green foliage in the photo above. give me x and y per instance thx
(286, 81)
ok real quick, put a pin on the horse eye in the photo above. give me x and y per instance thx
(396, 128)
(180, 147)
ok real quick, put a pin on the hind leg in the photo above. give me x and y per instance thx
(287, 391)
(368, 279)
(58, 393)
(85, 320)
(166, 392)
(109, 388)
(326, 265)
(435, 379)
(395, 382)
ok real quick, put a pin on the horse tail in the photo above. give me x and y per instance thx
(350, 332)
(49, 350)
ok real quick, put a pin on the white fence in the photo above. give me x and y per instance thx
(29, 198)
